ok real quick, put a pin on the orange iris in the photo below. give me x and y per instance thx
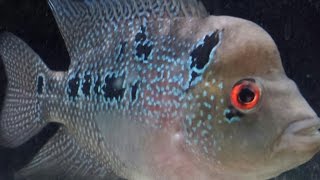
(245, 95)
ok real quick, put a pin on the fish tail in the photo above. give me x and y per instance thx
(22, 116)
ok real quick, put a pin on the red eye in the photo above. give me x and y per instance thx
(245, 95)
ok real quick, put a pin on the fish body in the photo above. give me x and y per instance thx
(156, 90)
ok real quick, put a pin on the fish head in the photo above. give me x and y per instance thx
(248, 116)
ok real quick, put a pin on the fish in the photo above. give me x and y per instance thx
(156, 89)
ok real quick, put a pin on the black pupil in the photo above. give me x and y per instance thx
(246, 95)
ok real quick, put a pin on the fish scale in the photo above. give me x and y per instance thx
(161, 83)
(166, 68)
(96, 148)
(156, 89)
(169, 83)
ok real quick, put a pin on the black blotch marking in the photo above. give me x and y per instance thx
(87, 82)
(144, 50)
(201, 54)
(233, 113)
(143, 46)
(40, 84)
(97, 86)
(141, 36)
(73, 86)
(194, 75)
(113, 88)
(121, 51)
(134, 91)
(229, 115)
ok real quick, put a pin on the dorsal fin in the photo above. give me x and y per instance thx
(78, 18)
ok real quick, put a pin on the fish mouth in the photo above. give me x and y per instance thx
(300, 136)
(305, 128)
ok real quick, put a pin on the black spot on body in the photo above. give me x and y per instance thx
(97, 86)
(194, 75)
(229, 115)
(233, 113)
(201, 54)
(112, 88)
(141, 36)
(143, 46)
(144, 51)
(121, 51)
(73, 86)
(40, 84)
(86, 85)
(134, 91)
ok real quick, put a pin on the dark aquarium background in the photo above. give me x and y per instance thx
(294, 25)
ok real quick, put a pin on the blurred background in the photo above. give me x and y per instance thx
(294, 25)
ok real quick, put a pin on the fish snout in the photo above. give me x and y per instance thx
(300, 136)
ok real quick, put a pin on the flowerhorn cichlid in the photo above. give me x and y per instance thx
(156, 90)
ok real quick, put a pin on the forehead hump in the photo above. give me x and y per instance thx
(246, 49)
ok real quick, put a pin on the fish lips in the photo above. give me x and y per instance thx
(297, 144)
(300, 136)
